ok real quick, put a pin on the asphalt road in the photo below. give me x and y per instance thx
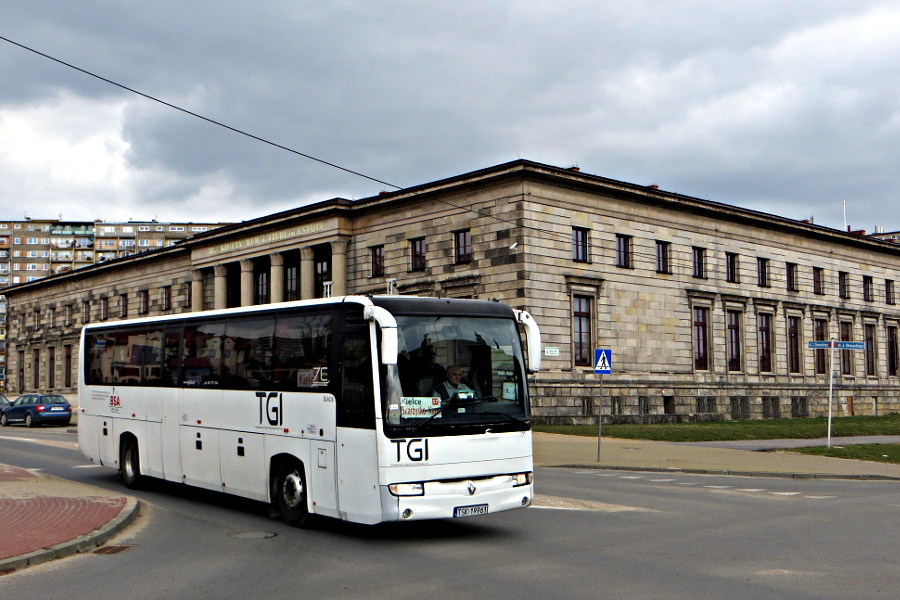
(596, 534)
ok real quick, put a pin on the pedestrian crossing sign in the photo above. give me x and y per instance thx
(603, 361)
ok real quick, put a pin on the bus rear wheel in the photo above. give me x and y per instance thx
(130, 464)
(289, 493)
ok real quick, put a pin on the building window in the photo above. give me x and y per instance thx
(765, 342)
(51, 368)
(732, 268)
(417, 254)
(892, 351)
(733, 343)
(291, 290)
(871, 349)
(771, 407)
(376, 253)
(762, 272)
(662, 257)
(820, 333)
(844, 285)
(261, 289)
(701, 338)
(67, 366)
(846, 355)
(623, 251)
(793, 345)
(143, 302)
(123, 306)
(790, 276)
(818, 280)
(699, 262)
(580, 244)
(36, 369)
(889, 291)
(68, 315)
(462, 246)
(868, 294)
(85, 312)
(165, 294)
(581, 321)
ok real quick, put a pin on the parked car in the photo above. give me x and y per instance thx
(37, 409)
(3, 402)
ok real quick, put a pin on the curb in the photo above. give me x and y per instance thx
(79, 545)
(860, 477)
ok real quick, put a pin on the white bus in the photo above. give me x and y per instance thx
(366, 409)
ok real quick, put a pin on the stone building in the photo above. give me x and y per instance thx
(708, 308)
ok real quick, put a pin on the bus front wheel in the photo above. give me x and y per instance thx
(290, 493)
(130, 463)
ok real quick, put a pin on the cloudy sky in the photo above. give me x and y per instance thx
(789, 107)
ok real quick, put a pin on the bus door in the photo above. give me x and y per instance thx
(201, 405)
(357, 460)
(171, 403)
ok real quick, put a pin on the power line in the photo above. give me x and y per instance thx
(199, 116)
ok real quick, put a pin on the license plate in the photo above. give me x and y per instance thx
(470, 511)
(56, 408)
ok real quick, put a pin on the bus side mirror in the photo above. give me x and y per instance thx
(389, 344)
(532, 338)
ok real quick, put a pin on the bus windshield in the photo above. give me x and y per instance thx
(455, 375)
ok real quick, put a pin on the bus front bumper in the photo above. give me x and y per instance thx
(459, 498)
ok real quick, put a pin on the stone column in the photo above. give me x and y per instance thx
(220, 284)
(339, 267)
(276, 277)
(307, 272)
(246, 283)
(196, 290)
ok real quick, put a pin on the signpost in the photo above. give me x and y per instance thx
(833, 345)
(602, 366)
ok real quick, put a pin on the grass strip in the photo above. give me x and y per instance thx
(770, 429)
(889, 453)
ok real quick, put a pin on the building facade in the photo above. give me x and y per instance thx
(707, 308)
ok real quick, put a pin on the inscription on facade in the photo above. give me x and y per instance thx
(268, 238)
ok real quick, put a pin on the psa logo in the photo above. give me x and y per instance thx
(416, 449)
(115, 401)
(271, 408)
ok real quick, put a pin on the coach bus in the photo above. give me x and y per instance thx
(366, 409)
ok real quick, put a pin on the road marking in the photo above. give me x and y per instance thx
(819, 497)
(751, 490)
(87, 466)
(719, 487)
(786, 493)
(662, 480)
(632, 477)
(558, 503)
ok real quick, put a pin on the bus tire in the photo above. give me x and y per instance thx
(289, 493)
(130, 463)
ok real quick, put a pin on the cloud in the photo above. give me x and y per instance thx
(789, 106)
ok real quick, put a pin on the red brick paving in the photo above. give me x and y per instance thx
(29, 521)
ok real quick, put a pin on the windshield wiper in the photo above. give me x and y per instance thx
(508, 416)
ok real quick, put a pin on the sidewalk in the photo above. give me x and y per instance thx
(44, 517)
(552, 450)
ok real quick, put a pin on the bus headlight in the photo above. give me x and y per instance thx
(407, 489)
(520, 479)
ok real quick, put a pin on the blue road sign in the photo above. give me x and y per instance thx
(851, 345)
(819, 345)
(603, 361)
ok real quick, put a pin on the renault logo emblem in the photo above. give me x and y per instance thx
(471, 489)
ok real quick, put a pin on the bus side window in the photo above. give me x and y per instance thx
(202, 357)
